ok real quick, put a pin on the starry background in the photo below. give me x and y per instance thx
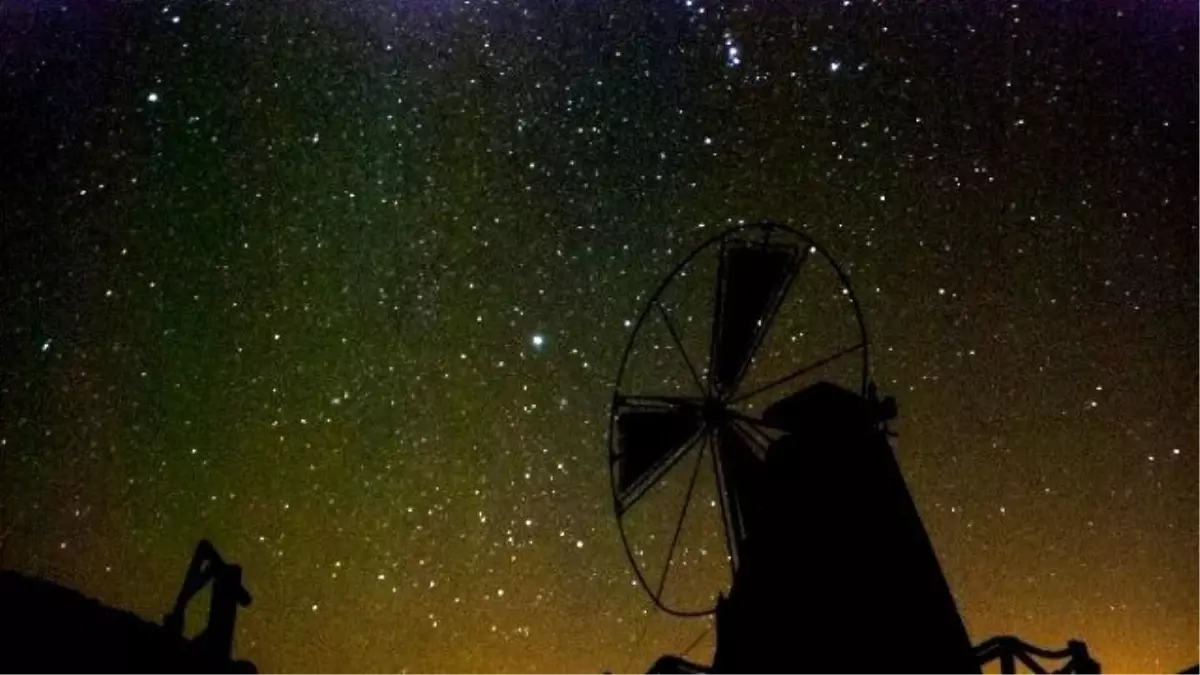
(272, 274)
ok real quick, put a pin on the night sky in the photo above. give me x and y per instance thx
(344, 287)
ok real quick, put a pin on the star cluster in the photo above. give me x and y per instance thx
(343, 288)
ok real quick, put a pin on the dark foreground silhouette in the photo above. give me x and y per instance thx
(837, 572)
(45, 627)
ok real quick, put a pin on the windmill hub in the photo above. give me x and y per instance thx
(714, 412)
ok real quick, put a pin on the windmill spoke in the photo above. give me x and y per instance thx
(763, 433)
(726, 516)
(656, 401)
(754, 436)
(687, 501)
(769, 319)
(679, 345)
(798, 373)
(718, 293)
(758, 425)
(647, 480)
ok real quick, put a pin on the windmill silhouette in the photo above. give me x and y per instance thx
(830, 568)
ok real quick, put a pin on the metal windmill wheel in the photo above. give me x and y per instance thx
(752, 314)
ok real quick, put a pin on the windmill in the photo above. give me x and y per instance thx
(744, 396)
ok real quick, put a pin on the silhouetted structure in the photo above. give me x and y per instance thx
(46, 627)
(832, 568)
(836, 557)
(227, 594)
(1011, 650)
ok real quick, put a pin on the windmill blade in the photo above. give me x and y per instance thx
(739, 472)
(816, 335)
(650, 440)
(754, 279)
